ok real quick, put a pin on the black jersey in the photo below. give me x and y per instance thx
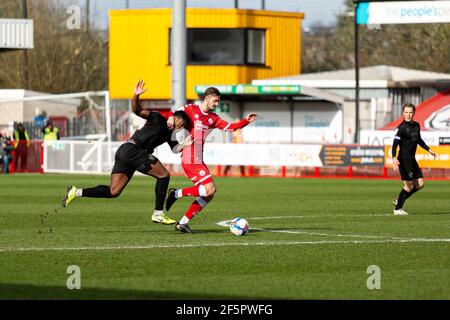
(407, 136)
(154, 133)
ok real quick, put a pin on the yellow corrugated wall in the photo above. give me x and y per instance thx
(139, 49)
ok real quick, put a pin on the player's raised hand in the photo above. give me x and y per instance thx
(395, 164)
(139, 89)
(251, 117)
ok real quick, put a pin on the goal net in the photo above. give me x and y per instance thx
(88, 117)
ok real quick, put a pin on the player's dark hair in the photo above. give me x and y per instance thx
(211, 91)
(409, 105)
(183, 115)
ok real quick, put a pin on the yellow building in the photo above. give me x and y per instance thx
(225, 46)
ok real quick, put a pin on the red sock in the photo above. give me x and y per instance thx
(191, 191)
(195, 191)
(194, 208)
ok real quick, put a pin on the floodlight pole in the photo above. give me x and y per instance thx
(179, 49)
(87, 15)
(356, 138)
(25, 53)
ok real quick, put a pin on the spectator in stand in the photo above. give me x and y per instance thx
(5, 153)
(21, 144)
(40, 119)
(50, 132)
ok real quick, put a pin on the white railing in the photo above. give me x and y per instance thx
(70, 156)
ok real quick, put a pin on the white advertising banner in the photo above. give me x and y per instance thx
(272, 126)
(397, 12)
(303, 155)
(317, 126)
(386, 137)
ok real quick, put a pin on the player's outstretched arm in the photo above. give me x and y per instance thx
(223, 125)
(135, 101)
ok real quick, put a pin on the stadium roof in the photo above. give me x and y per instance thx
(381, 76)
(16, 95)
(19, 93)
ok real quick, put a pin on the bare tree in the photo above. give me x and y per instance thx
(316, 53)
(63, 60)
(415, 46)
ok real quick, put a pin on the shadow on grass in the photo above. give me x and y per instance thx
(35, 292)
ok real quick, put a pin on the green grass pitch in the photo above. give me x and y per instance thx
(313, 239)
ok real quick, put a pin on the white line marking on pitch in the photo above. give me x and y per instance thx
(228, 244)
(226, 223)
(322, 216)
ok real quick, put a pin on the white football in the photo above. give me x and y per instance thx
(239, 227)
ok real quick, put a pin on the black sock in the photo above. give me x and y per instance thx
(160, 191)
(414, 190)
(403, 195)
(97, 192)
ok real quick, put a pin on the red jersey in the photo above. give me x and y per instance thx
(201, 123)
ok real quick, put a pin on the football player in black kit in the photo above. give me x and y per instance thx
(136, 154)
(407, 136)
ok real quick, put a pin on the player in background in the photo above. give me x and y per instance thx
(202, 119)
(407, 136)
(136, 154)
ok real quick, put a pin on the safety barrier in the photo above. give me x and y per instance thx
(249, 160)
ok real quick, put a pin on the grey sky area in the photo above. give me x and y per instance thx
(316, 11)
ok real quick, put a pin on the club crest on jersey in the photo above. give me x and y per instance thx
(196, 116)
(202, 173)
(210, 121)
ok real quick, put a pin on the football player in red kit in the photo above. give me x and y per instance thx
(202, 119)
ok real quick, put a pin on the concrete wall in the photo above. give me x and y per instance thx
(10, 112)
(366, 119)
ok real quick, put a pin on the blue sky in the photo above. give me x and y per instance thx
(316, 11)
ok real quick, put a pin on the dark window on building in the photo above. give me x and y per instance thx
(224, 46)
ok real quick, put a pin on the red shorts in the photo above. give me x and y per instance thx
(197, 173)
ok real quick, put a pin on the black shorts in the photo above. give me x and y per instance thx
(130, 157)
(409, 169)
